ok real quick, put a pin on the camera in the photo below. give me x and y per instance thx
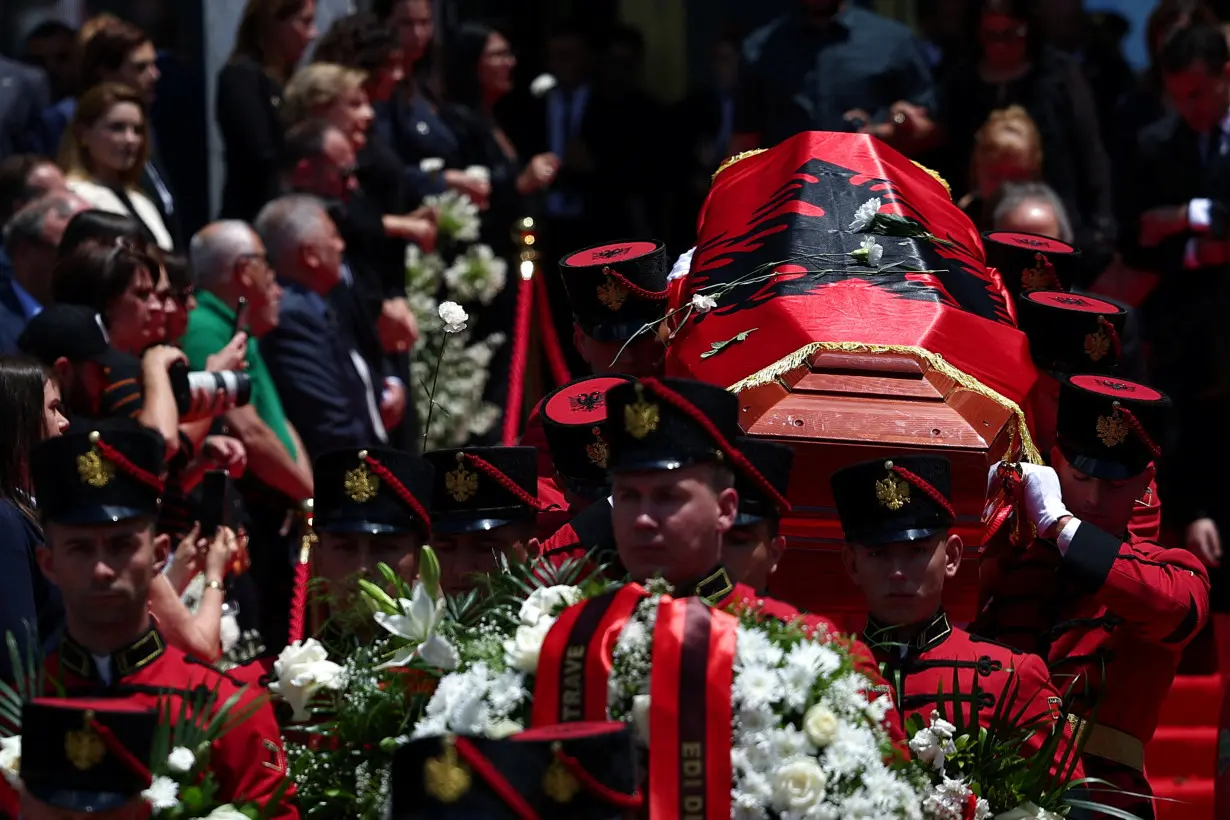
(206, 394)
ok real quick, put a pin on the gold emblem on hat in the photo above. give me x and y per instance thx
(83, 747)
(1112, 430)
(361, 486)
(612, 294)
(445, 777)
(1040, 276)
(892, 491)
(598, 452)
(641, 418)
(559, 784)
(461, 483)
(1097, 345)
(94, 469)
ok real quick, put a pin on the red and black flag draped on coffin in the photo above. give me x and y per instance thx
(846, 361)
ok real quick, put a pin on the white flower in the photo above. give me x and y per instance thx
(548, 602)
(181, 760)
(942, 728)
(479, 172)
(982, 810)
(756, 687)
(228, 630)
(504, 728)
(227, 812)
(931, 749)
(865, 215)
(947, 800)
(417, 622)
(457, 216)
(1027, 810)
(820, 724)
(754, 648)
(302, 669)
(798, 785)
(478, 274)
(522, 651)
(640, 717)
(542, 85)
(870, 251)
(10, 758)
(454, 317)
(703, 303)
(431, 165)
(162, 794)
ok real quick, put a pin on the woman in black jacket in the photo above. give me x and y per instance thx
(30, 606)
(272, 36)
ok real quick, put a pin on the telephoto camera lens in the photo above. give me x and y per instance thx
(208, 393)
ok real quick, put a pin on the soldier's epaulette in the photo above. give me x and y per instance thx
(192, 659)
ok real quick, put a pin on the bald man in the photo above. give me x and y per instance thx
(1031, 207)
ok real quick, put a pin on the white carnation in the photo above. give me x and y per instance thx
(548, 602)
(865, 215)
(162, 794)
(870, 251)
(454, 317)
(181, 760)
(702, 303)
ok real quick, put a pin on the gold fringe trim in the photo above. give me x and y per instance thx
(729, 161)
(801, 357)
(936, 176)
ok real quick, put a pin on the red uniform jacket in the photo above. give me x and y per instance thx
(555, 512)
(1111, 617)
(948, 669)
(248, 762)
(1146, 521)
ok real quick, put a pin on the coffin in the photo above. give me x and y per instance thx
(846, 360)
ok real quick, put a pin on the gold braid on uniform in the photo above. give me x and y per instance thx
(802, 356)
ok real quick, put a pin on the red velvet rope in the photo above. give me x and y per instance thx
(298, 603)
(550, 338)
(120, 460)
(505, 482)
(599, 790)
(121, 751)
(737, 458)
(936, 495)
(492, 777)
(1114, 336)
(407, 497)
(1149, 443)
(633, 288)
(520, 350)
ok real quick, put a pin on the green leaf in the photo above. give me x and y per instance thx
(718, 347)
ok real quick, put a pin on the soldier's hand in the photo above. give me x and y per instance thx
(1203, 539)
(1043, 499)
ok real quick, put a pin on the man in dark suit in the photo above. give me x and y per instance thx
(23, 96)
(30, 240)
(326, 387)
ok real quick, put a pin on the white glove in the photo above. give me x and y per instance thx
(1043, 498)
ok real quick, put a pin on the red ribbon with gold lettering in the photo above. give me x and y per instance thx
(690, 711)
(575, 661)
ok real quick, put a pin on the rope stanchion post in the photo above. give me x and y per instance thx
(521, 333)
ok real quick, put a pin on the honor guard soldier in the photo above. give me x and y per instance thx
(614, 289)
(98, 498)
(85, 758)
(482, 503)
(1115, 611)
(896, 516)
(755, 545)
(574, 771)
(1072, 333)
(371, 508)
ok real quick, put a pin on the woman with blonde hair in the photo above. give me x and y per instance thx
(1007, 148)
(333, 93)
(104, 151)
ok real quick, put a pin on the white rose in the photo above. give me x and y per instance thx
(522, 651)
(820, 724)
(547, 602)
(798, 785)
(431, 165)
(454, 317)
(640, 718)
(301, 671)
(10, 758)
(227, 812)
(181, 760)
(542, 85)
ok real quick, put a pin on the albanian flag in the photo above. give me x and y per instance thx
(837, 238)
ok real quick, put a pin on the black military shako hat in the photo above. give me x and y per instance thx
(1110, 428)
(574, 422)
(1072, 332)
(86, 755)
(904, 498)
(617, 287)
(481, 488)
(1030, 261)
(110, 474)
(374, 490)
(773, 461)
(586, 771)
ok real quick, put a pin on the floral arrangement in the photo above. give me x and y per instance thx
(456, 216)
(477, 275)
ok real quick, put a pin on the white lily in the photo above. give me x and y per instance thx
(416, 624)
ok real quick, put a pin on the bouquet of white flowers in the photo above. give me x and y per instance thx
(456, 216)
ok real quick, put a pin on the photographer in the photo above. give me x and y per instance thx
(197, 633)
(100, 382)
